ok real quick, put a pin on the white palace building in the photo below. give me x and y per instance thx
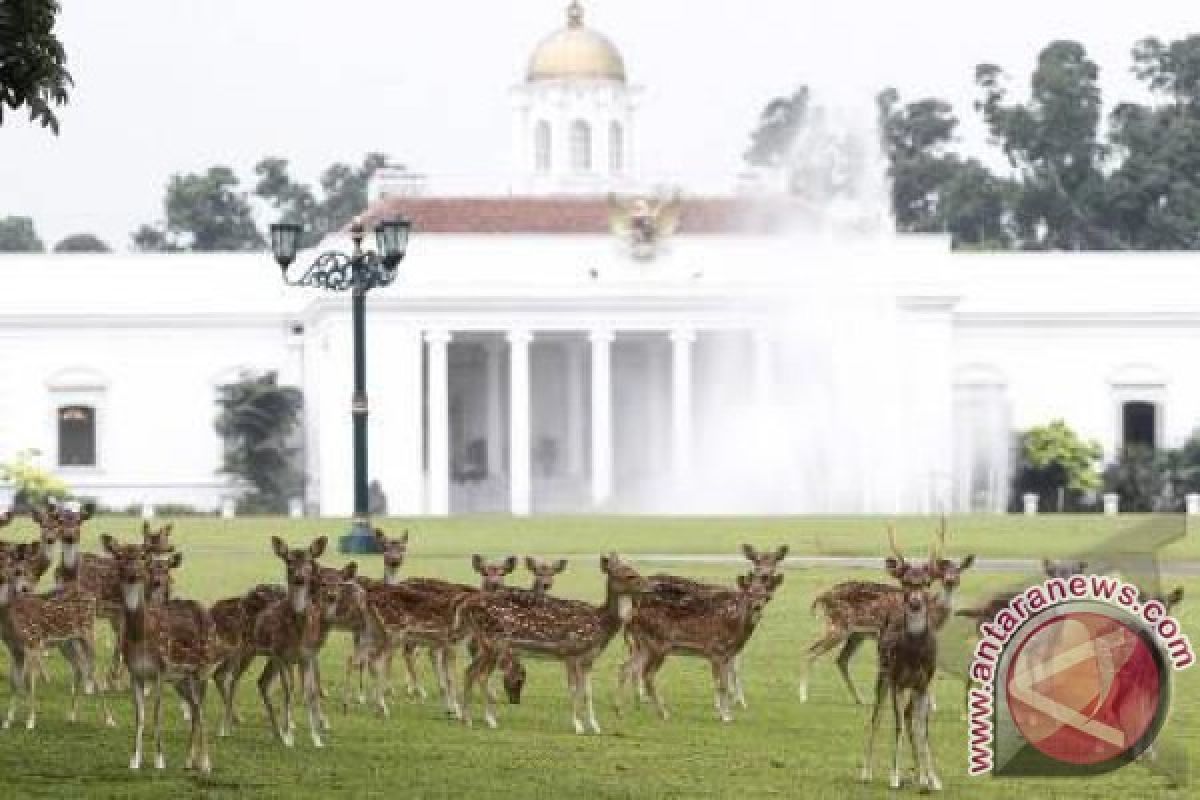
(526, 361)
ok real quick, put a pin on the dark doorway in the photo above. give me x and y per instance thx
(1138, 424)
(77, 436)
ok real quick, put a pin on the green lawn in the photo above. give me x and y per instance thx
(778, 747)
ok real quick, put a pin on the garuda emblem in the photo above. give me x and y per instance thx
(644, 222)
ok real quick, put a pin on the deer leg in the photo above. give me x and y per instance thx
(222, 679)
(31, 676)
(160, 760)
(910, 731)
(373, 665)
(481, 665)
(114, 664)
(489, 691)
(853, 642)
(735, 673)
(312, 692)
(183, 689)
(264, 690)
(449, 661)
(200, 688)
(16, 680)
(139, 713)
(652, 661)
(573, 678)
(897, 739)
(87, 649)
(720, 672)
(930, 779)
(873, 726)
(832, 638)
(415, 689)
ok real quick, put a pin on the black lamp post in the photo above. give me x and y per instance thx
(358, 273)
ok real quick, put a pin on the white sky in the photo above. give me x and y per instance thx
(173, 85)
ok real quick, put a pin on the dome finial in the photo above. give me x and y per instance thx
(575, 14)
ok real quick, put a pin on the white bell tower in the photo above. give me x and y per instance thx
(573, 117)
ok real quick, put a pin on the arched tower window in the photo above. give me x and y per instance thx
(616, 148)
(541, 146)
(581, 146)
(76, 436)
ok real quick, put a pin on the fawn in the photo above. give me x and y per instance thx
(569, 631)
(29, 623)
(854, 611)
(907, 660)
(715, 626)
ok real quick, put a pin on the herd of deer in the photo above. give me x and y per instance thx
(164, 639)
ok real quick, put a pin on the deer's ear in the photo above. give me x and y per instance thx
(108, 543)
(87, 511)
(146, 529)
(560, 565)
(176, 561)
(404, 538)
(317, 548)
(749, 552)
(168, 529)
(775, 581)
(1047, 567)
(279, 547)
(967, 562)
(781, 553)
(895, 567)
(530, 564)
(1175, 597)
(380, 536)
(349, 571)
(743, 582)
(605, 564)
(510, 564)
(477, 563)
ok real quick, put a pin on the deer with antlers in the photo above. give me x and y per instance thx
(854, 611)
(31, 623)
(714, 626)
(570, 631)
(907, 644)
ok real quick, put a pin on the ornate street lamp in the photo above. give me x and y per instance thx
(358, 273)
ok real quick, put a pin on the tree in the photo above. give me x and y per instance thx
(1141, 477)
(257, 420)
(778, 126)
(33, 70)
(205, 212)
(1055, 461)
(17, 235)
(1053, 142)
(344, 194)
(933, 189)
(33, 484)
(82, 243)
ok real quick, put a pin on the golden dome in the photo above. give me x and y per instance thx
(576, 52)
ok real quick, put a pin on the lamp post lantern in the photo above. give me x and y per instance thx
(359, 272)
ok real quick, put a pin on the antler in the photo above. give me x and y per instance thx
(891, 529)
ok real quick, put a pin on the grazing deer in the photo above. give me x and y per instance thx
(569, 631)
(30, 623)
(714, 626)
(854, 611)
(161, 644)
(907, 660)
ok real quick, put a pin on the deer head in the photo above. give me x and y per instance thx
(6, 517)
(18, 575)
(947, 571)
(544, 572)
(910, 574)
(331, 585)
(300, 567)
(157, 542)
(132, 570)
(159, 582)
(766, 562)
(756, 593)
(62, 523)
(394, 551)
(493, 573)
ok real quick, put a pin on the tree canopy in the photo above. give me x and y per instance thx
(33, 72)
(82, 243)
(17, 235)
(204, 212)
(343, 189)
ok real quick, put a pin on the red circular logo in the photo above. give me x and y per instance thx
(1084, 688)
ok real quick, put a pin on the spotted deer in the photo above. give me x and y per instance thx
(907, 645)
(31, 623)
(855, 610)
(764, 565)
(544, 573)
(161, 644)
(158, 542)
(715, 626)
(570, 631)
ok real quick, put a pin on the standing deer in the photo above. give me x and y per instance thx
(569, 631)
(30, 623)
(907, 660)
(714, 626)
(544, 573)
(854, 611)
(161, 644)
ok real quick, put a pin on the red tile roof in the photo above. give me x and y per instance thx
(572, 214)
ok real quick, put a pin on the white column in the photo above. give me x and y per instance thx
(764, 377)
(681, 399)
(519, 479)
(575, 408)
(439, 423)
(495, 416)
(657, 413)
(602, 444)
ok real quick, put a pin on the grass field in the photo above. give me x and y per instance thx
(778, 747)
